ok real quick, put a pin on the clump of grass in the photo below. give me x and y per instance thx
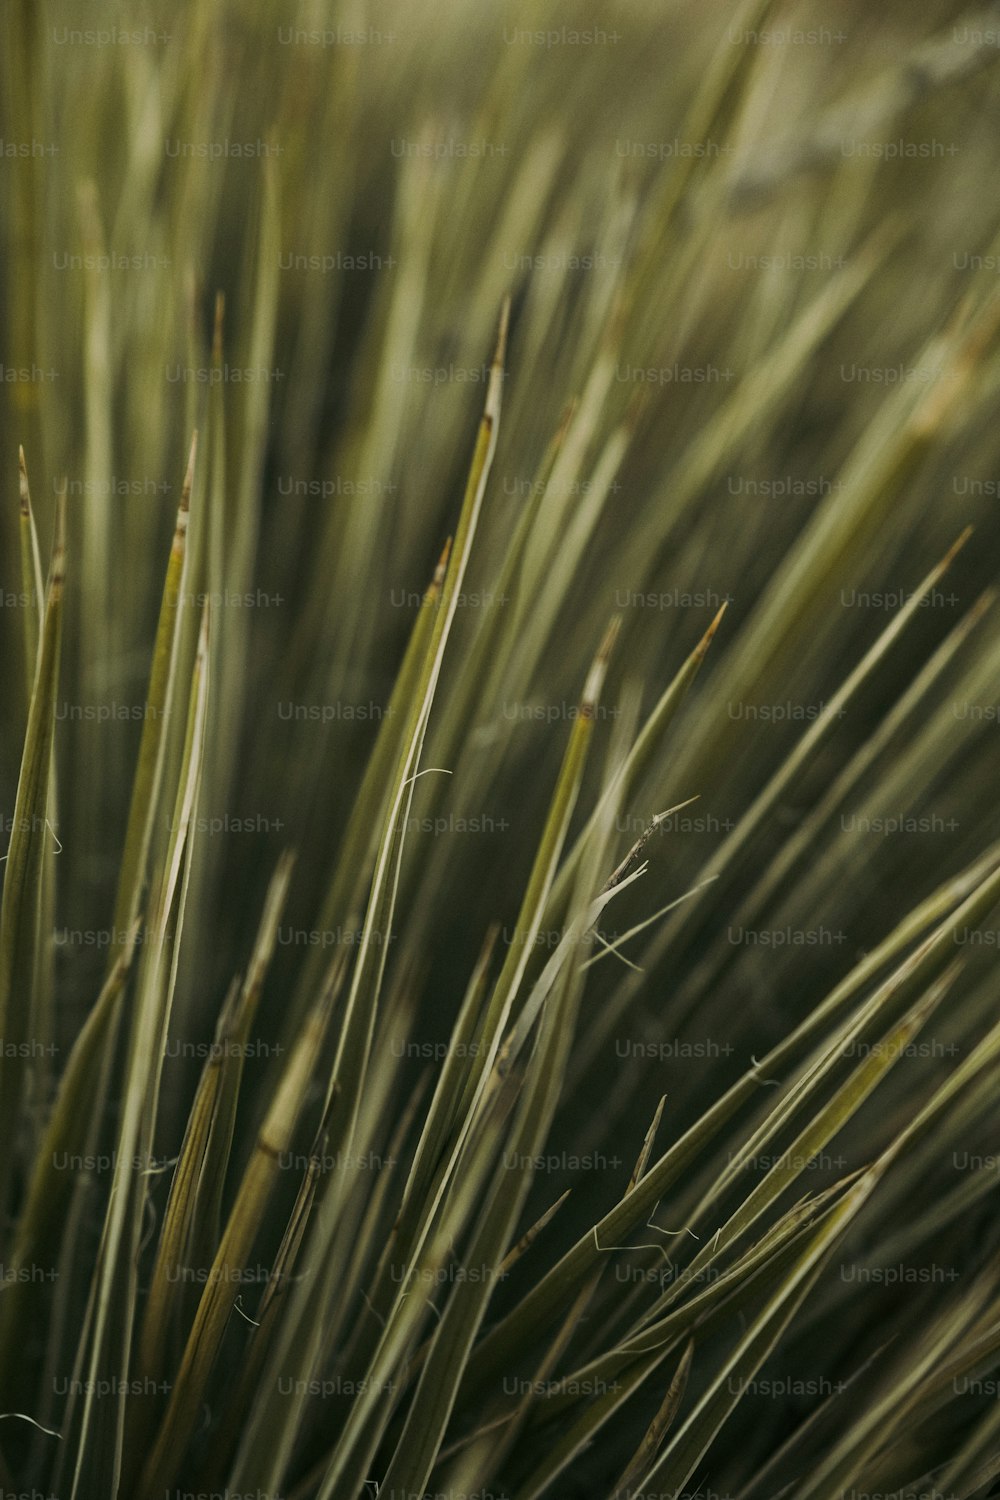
(497, 985)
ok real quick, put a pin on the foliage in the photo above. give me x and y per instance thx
(496, 966)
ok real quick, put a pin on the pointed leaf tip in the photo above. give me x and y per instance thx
(596, 675)
(701, 649)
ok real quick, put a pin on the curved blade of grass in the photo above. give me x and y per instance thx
(222, 1286)
(641, 756)
(355, 1035)
(414, 1232)
(106, 1337)
(360, 841)
(33, 591)
(159, 700)
(20, 908)
(206, 1229)
(478, 680)
(224, 1441)
(637, 1471)
(577, 1434)
(48, 1191)
(683, 1452)
(182, 1202)
(495, 1450)
(796, 847)
(440, 1379)
(819, 729)
(32, 585)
